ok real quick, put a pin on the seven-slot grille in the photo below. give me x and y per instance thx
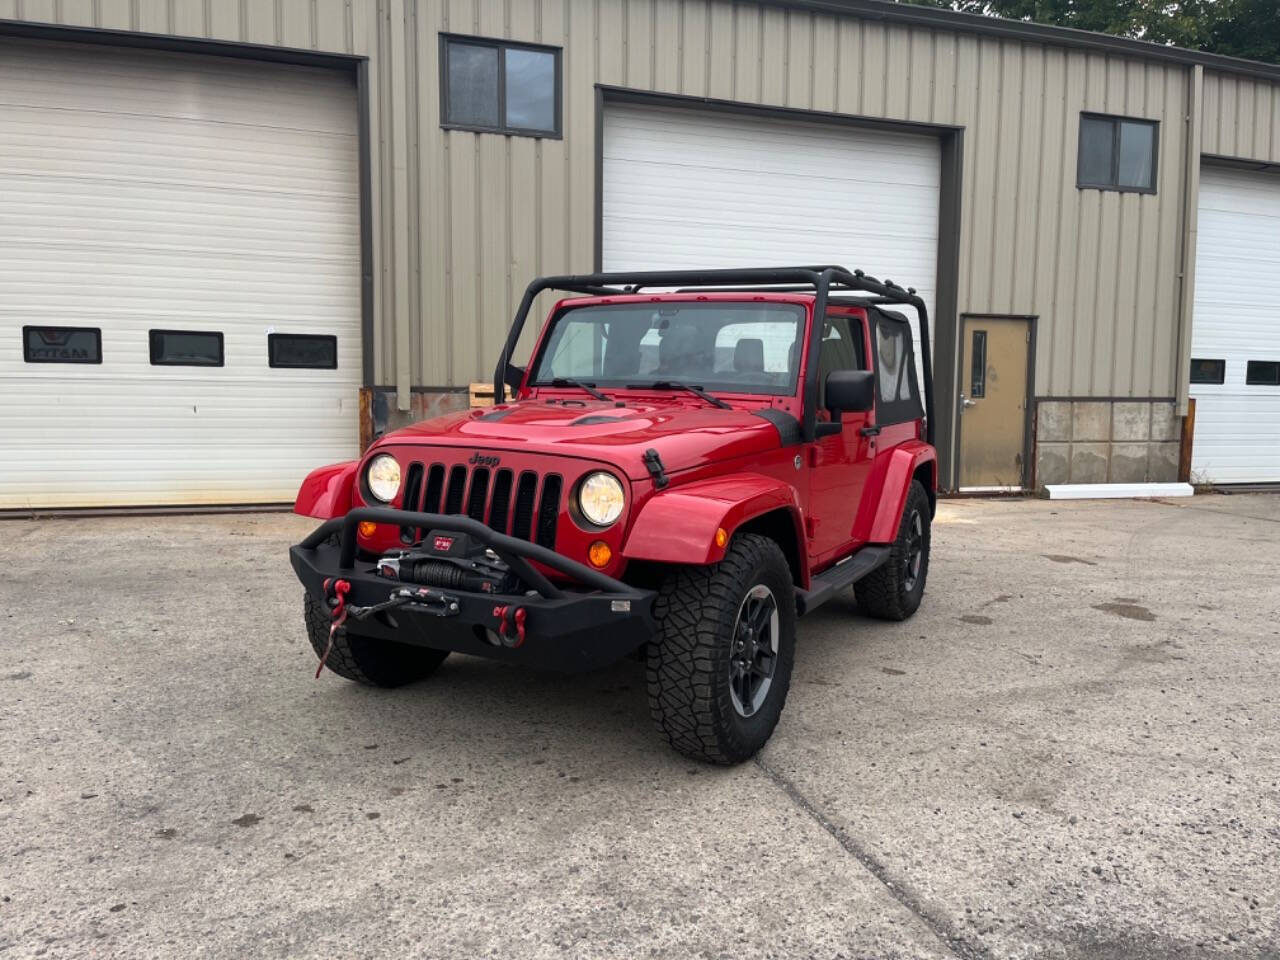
(520, 503)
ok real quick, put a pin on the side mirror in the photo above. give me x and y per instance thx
(850, 391)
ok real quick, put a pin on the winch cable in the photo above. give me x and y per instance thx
(337, 616)
(440, 604)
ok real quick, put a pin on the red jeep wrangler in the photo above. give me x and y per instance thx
(679, 475)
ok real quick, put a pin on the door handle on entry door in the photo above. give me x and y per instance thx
(966, 403)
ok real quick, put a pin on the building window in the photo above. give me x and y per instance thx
(1116, 154)
(1208, 371)
(1262, 373)
(496, 87)
(978, 366)
(302, 351)
(62, 344)
(186, 348)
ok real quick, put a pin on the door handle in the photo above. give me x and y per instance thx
(966, 403)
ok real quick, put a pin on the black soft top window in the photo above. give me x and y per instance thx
(897, 387)
(842, 349)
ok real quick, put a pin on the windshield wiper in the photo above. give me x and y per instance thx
(676, 385)
(589, 387)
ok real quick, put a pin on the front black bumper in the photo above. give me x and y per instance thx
(581, 627)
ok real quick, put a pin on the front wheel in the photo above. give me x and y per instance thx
(367, 660)
(894, 591)
(720, 667)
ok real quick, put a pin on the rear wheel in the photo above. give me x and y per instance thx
(367, 660)
(894, 591)
(720, 667)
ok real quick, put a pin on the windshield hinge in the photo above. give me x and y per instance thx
(653, 463)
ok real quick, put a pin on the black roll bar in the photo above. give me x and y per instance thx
(822, 280)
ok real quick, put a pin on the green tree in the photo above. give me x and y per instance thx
(1235, 28)
(1250, 29)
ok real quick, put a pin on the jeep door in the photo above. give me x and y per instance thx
(841, 462)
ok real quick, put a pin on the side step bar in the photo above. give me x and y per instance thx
(846, 573)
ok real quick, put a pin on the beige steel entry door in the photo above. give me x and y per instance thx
(993, 401)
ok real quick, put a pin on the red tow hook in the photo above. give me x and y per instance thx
(517, 618)
(337, 614)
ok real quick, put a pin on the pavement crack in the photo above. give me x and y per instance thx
(939, 926)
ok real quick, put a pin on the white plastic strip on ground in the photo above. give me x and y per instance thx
(1116, 491)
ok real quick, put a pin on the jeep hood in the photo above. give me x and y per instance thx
(684, 435)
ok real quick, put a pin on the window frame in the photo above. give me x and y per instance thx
(151, 348)
(26, 332)
(856, 326)
(1251, 378)
(1117, 122)
(542, 350)
(273, 338)
(501, 46)
(978, 365)
(1201, 382)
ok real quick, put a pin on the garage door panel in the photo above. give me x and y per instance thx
(144, 191)
(165, 287)
(126, 82)
(1229, 449)
(126, 361)
(201, 155)
(205, 443)
(769, 201)
(645, 135)
(164, 217)
(1237, 306)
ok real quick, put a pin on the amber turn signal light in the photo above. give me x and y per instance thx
(722, 536)
(599, 554)
(367, 529)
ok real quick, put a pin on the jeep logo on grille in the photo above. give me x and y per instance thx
(483, 460)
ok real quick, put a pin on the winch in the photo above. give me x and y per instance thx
(451, 560)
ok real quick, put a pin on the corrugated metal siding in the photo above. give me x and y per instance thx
(463, 220)
(1241, 117)
(1099, 268)
(308, 24)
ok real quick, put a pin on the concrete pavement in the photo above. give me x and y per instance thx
(1073, 750)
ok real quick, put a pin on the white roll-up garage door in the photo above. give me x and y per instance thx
(689, 188)
(165, 219)
(1235, 335)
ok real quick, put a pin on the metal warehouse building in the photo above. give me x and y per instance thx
(239, 237)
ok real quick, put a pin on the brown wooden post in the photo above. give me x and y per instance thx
(366, 418)
(1188, 434)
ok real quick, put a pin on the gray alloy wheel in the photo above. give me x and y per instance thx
(755, 651)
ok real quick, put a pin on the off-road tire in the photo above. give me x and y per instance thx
(367, 660)
(688, 664)
(888, 593)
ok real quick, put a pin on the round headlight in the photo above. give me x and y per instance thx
(601, 498)
(383, 477)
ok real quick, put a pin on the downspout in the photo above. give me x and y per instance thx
(1190, 225)
(397, 124)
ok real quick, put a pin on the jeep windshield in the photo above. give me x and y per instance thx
(735, 347)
